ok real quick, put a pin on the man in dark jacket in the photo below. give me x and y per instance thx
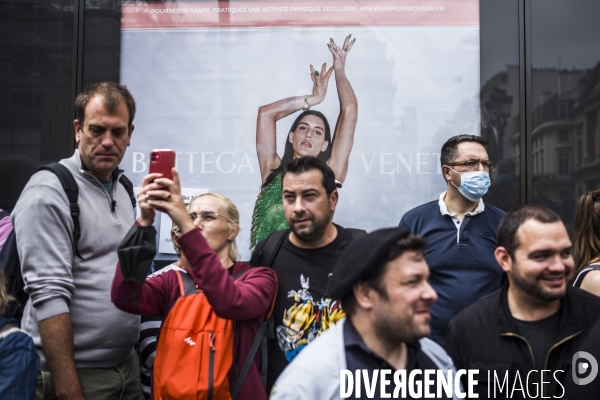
(522, 338)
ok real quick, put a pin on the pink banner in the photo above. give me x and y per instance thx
(225, 14)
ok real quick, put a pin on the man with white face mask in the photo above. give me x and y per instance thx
(460, 231)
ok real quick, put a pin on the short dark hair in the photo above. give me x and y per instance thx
(375, 278)
(306, 164)
(506, 235)
(112, 94)
(448, 153)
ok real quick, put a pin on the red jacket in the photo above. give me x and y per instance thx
(246, 301)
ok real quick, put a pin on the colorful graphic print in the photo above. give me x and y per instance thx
(306, 319)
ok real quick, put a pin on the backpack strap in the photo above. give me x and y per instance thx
(129, 188)
(187, 285)
(265, 252)
(257, 341)
(72, 190)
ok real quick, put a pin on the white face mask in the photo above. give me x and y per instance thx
(473, 184)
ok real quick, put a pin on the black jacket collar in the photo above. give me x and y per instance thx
(569, 320)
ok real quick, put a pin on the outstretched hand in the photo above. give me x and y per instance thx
(340, 53)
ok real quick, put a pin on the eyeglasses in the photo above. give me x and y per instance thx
(205, 216)
(472, 164)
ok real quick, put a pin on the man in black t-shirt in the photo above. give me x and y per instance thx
(304, 260)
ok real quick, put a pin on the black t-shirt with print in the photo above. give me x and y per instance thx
(301, 310)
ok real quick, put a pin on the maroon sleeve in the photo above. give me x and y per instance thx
(249, 297)
(151, 298)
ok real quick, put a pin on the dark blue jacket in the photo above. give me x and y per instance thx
(19, 363)
(462, 271)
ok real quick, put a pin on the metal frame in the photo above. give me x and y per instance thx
(77, 63)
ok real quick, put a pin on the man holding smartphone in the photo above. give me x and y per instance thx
(85, 343)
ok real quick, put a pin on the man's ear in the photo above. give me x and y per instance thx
(503, 258)
(129, 136)
(324, 146)
(446, 172)
(363, 293)
(78, 129)
(333, 199)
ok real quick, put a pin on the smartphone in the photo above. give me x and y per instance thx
(162, 161)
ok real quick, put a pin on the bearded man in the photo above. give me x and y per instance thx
(522, 338)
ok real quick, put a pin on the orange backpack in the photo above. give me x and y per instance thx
(195, 350)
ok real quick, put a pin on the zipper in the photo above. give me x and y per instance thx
(522, 338)
(111, 201)
(558, 344)
(211, 364)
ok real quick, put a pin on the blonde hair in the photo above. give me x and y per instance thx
(177, 231)
(233, 219)
(5, 298)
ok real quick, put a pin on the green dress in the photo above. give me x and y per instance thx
(268, 212)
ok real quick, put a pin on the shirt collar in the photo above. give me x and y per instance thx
(352, 338)
(444, 208)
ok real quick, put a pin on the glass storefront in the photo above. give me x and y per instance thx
(539, 100)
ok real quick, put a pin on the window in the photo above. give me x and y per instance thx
(579, 130)
(563, 135)
(563, 163)
(562, 111)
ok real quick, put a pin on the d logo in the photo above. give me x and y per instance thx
(582, 367)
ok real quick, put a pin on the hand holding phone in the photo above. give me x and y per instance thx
(162, 161)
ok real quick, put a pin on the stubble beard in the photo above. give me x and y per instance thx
(396, 332)
(535, 290)
(314, 232)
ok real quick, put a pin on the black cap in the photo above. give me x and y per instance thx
(361, 257)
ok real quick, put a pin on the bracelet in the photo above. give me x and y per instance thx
(305, 108)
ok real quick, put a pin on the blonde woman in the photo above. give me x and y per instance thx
(209, 227)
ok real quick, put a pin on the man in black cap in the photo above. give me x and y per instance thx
(382, 281)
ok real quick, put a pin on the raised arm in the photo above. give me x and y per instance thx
(151, 297)
(346, 123)
(268, 115)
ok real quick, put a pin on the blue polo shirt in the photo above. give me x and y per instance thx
(460, 255)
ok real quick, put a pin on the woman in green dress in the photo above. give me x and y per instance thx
(309, 135)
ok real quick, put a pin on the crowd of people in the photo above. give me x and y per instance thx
(458, 285)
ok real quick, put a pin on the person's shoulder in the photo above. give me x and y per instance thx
(171, 267)
(422, 211)
(43, 189)
(583, 304)
(494, 211)
(244, 271)
(592, 278)
(350, 233)
(483, 309)
(585, 300)
(319, 362)
(436, 353)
